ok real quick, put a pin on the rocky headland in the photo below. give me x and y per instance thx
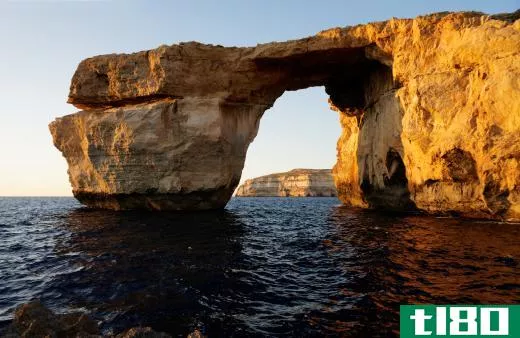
(294, 183)
(429, 108)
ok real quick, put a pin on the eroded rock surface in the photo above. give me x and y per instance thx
(430, 110)
(294, 183)
(166, 154)
(33, 320)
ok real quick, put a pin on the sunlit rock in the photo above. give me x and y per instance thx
(430, 110)
(294, 183)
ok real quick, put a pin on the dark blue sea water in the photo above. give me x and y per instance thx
(262, 267)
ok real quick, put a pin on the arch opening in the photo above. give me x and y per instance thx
(369, 169)
(296, 139)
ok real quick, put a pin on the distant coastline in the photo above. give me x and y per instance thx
(294, 183)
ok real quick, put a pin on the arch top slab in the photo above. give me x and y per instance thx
(169, 128)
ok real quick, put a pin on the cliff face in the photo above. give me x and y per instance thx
(430, 110)
(439, 131)
(297, 182)
(164, 154)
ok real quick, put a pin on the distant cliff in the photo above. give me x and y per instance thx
(297, 182)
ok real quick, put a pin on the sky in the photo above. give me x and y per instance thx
(42, 42)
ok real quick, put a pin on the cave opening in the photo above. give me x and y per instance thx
(396, 170)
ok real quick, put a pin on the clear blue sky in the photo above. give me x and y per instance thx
(41, 43)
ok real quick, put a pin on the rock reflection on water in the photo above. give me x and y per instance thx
(423, 260)
(262, 267)
(163, 270)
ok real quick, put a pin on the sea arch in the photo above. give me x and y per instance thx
(422, 125)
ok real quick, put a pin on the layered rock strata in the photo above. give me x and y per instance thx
(294, 183)
(430, 111)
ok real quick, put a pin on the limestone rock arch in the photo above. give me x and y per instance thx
(169, 128)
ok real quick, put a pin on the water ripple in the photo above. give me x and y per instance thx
(262, 267)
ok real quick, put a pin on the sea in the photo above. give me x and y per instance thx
(262, 267)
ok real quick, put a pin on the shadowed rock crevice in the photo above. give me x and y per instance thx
(496, 198)
(396, 170)
(352, 92)
(459, 166)
(383, 184)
